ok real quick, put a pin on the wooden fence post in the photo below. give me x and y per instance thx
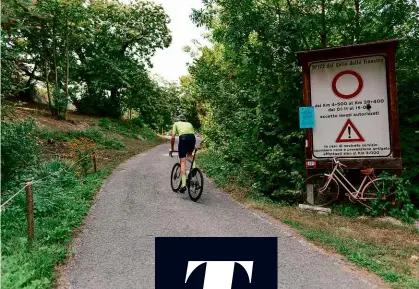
(94, 162)
(29, 209)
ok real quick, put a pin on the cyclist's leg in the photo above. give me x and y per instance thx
(191, 147)
(182, 148)
(172, 141)
(190, 156)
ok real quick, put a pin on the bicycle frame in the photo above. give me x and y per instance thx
(194, 154)
(337, 177)
(187, 159)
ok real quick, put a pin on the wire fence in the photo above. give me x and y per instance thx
(28, 188)
(66, 169)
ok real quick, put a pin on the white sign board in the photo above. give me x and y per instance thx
(350, 107)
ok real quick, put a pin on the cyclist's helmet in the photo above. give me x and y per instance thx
(181, 118)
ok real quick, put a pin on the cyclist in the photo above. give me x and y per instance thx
(186, 145)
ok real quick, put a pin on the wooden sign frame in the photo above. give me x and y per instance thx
(387, 48)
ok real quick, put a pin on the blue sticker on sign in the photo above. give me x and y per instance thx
(307, 117)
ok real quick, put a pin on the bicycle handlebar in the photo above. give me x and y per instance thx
(338, 162)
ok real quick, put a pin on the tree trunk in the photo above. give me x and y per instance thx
(323, 34)
(357, 26)
(46, 70)
(27, 93)
(56, 90)
(67, 70)
(47, 82)
(116, 107)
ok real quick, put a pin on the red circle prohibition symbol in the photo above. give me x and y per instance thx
(356, 92)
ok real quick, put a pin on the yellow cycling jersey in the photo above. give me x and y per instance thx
(182, 127)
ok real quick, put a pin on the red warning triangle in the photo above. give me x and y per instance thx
(349, 133)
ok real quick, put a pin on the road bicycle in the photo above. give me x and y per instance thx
(194, 180)
(322, 189)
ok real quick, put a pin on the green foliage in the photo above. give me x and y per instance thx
(403, 208)
(60, 203)
(216, 168)
(158, 106)
(19, 149)
(148, 133)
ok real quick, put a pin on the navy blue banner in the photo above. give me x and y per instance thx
(216, 262)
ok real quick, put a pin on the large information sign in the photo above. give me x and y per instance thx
(353, 96)
(350, 100)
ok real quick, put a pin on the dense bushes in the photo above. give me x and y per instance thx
(19, 149)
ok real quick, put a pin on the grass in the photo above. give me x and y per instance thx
(385, 249)
(93, 134)
(59, 207)
(60, 203)
(127, 128)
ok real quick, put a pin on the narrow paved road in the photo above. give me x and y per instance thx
(136, 204)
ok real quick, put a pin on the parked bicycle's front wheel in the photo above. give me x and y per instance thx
(316, 193)
(196, 184)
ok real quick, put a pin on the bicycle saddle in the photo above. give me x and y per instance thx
(368, 171)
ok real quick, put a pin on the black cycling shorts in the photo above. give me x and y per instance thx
(186, 144)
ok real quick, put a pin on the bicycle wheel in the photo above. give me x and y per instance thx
(176, 178)
(378, 189)
(321, 196)
(196, 184)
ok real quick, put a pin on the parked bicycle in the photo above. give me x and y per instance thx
(322, 189)
(194, 181)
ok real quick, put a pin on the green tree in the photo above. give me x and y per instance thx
(120, 42)
(92, 53)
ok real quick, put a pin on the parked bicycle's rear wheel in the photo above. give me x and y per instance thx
(378, 189)
(322, 195)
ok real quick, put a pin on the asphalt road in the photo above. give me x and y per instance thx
(116, 246)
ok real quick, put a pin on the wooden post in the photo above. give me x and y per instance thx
(308, 135)
(94, 162)
(29, 209)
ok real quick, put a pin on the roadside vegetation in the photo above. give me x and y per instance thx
(250, 74)
(60, 162)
